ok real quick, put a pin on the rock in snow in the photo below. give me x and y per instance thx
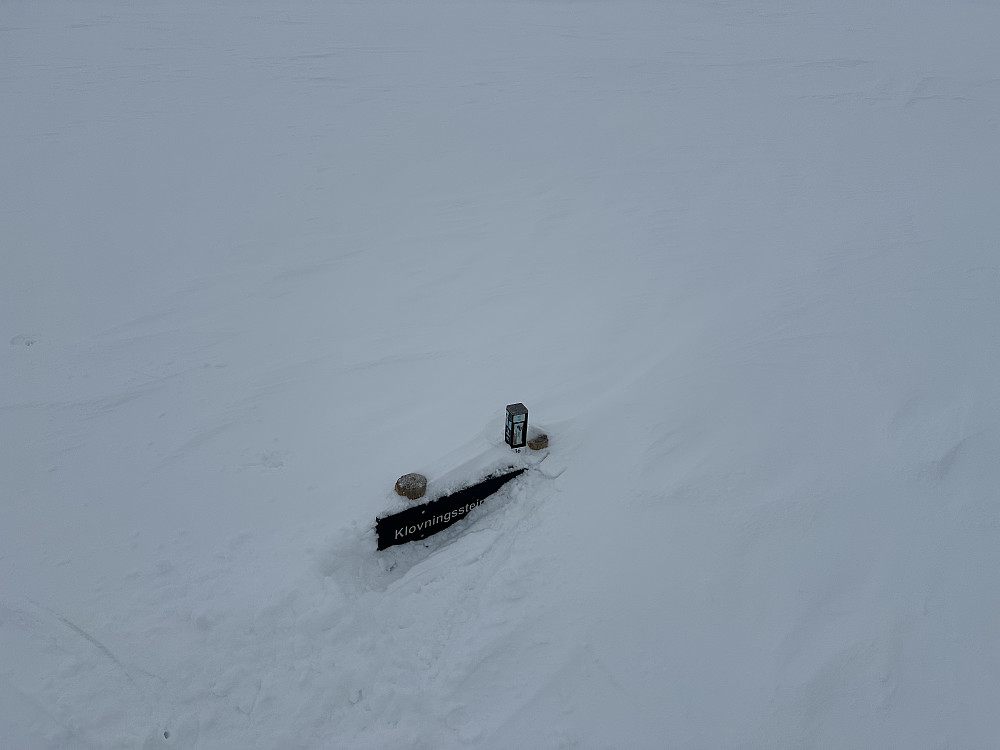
(411, 485)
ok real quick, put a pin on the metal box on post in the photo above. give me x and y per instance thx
(516, 430)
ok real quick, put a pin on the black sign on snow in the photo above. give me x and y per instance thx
(515, 432)
(420, 521)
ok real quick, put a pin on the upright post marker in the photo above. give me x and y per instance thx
(515, 432)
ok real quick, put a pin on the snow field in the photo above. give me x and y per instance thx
(259, 261)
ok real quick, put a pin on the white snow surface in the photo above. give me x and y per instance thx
(260, 259)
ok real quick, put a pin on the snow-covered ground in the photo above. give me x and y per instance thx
(739, 259)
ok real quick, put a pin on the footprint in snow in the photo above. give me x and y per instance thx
(23, 340)
(270, 459)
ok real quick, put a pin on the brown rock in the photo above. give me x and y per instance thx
(539, 442)
(412, 486)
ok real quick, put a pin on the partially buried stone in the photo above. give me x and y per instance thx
(412, 486)
(539, 442)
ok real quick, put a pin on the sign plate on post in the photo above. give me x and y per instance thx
(420, 521)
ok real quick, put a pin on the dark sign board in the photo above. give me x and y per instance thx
(420, 521)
